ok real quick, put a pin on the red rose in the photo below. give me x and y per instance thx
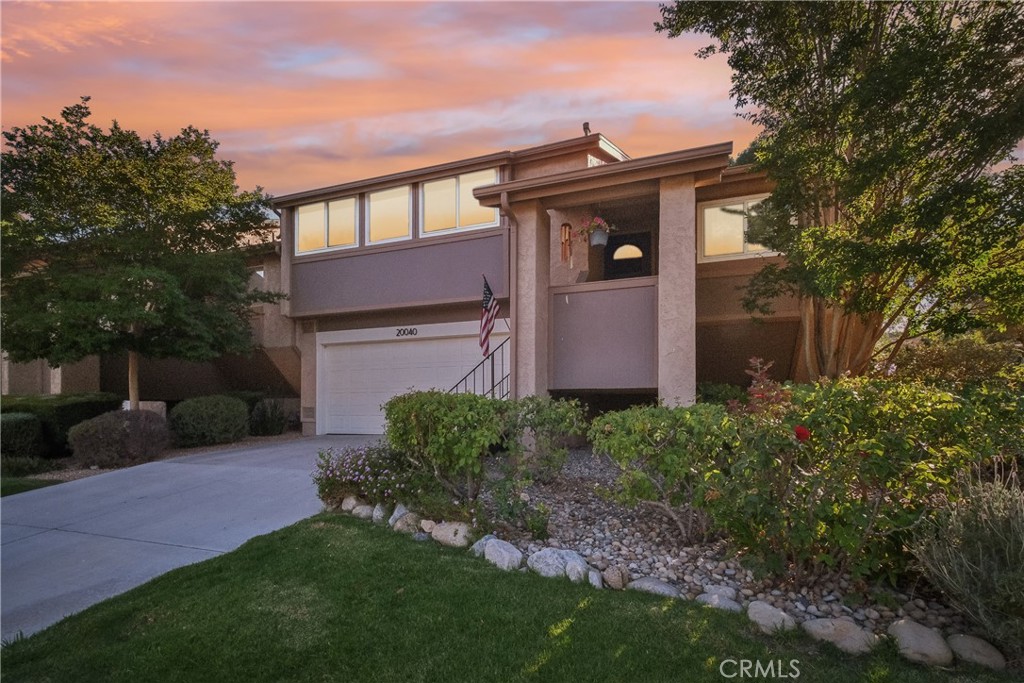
(801, 433)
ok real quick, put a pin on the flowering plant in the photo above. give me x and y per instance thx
(589, 224)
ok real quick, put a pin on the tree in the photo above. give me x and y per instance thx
(113, 243)
(886, 130)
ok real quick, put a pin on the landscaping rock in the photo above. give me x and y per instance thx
(428, 525)
(920, 644)
(768, 618)
(451, 534)
(503, 555)
(400, 511)
(553, 562)
(409, 523)
(380, 513)
(478, 548)
(845, 635)
(421, 536)
(350, 503)
(976, 651)
(363, 511)
(719, 601)
(724, 591)
(594, 577)
(649, 584)
(616, 577)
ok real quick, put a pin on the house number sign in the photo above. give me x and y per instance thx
(406, 332)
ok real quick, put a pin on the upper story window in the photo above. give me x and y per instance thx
(722, 228)
(449, 204)
(326, 225)
(389, 215)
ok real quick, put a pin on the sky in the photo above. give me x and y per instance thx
(306, 95)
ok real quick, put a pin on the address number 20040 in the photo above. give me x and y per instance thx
(406, 332)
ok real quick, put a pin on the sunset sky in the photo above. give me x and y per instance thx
(303, 95)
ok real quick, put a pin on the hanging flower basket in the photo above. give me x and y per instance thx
(599, 237)
(593, 229)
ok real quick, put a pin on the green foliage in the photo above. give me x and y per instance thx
(249, 397)
(664, 454)
(60, 412)
(116, 243)
(837, 478)
(881, 124)
(958, 361)
(447, 435)
(12, 466)
(119, 438)
(209, 420)
(721, 393)
(267, 418)
(974, 552)
(536, 430)
(21, 435)
(375, 473)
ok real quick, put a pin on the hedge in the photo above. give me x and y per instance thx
(60, 412)
(21, 435)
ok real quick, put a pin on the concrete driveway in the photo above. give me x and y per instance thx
(66, 547)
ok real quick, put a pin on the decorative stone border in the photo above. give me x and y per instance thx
(916, 643)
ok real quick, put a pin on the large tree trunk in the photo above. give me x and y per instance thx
(833, 342)
(133, 380)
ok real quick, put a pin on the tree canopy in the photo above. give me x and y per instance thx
(887, 131)
(115, 243)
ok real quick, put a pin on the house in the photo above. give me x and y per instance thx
(384, 280)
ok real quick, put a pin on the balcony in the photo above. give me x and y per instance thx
(604, 335)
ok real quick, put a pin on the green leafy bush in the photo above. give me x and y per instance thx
(21, 435)
(60, 412)
(374, 473)
(209, 420)
(837, 474)
(974, 552)
(721, 393)
(267, 418)
(249, 397)
(446, 435)
(536, 429)
(663, 455)
(958, 361)
(22, 467)
(119, 438)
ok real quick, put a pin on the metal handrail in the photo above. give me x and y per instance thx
(500, 384)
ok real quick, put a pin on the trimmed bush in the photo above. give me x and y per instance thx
(21, 436)
(974, 552)
(60, 412)
(119, 438)
(249, 397)
(209, 420)
(267, 418)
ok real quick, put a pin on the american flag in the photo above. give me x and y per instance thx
(488, 313)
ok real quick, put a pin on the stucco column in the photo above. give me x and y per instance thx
(307, 378)
(533, 259)
(677, 280)
(287, 249)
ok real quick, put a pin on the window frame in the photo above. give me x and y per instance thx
(325, 207)
(458, 228)
(731, 201)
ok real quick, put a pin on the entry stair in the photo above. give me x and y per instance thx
(491, 377)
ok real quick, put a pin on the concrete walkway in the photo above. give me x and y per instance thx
(66, 547)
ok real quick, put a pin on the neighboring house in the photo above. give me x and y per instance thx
(384, 285)
(383, 278)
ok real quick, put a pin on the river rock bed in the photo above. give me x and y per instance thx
(645, 543)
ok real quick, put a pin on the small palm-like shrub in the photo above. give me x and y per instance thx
(974, 552)
(209, 420)
(267, 418)
(119, 438)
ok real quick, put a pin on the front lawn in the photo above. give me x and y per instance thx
(335, 598)
(11, 485)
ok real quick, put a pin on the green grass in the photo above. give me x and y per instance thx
(337, 599)
(11, 485)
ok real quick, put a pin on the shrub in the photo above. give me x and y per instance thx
(375, 473)
(535, 431)
(22, 467)
(663, 455)
(267, 418)
(21, 435)
(446, 435)
(712, 392)
(119, 438)
(958, 361)
(209, 420)
(835, 475)
(974, 552)
(249, 397)
(60, 412)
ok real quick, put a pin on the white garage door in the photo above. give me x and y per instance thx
(360, 370)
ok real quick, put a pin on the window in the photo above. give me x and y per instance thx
(326, 225)
(388, 214)
(449, 204)
(723, 227)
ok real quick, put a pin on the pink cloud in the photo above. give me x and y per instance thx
(310, 94)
